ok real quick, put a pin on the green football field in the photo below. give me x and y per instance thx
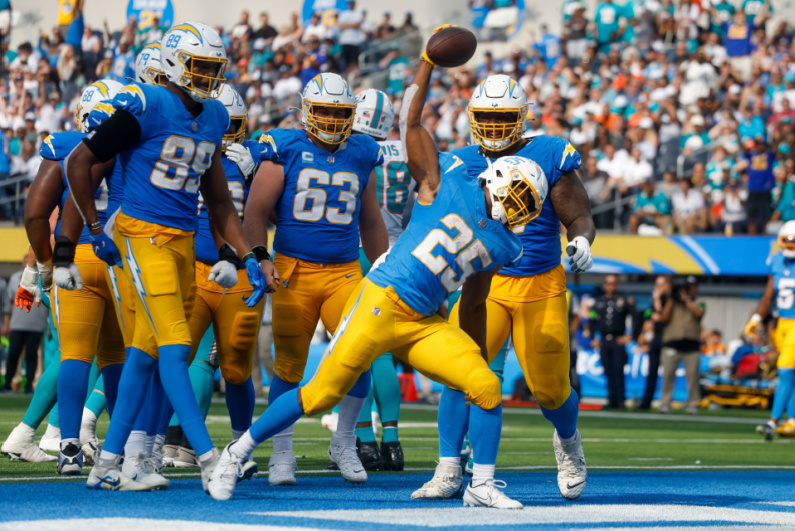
(612, 441)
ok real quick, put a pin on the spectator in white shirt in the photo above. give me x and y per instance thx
(352, 35)
(315, 28)
(636, 169)
(689, 209)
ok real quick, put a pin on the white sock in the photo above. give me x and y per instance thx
(74, 440)
(450, 461)
(107, 456)
(283, 441)
(136, 443)
(350, 407)
(236, 434)
(149, 444)
(570, 439)
(481, 474)
(160, 440)
(88, 417)
(791, 421)
(244, 446)
(208, 458)
(52, 432)
(772, 423)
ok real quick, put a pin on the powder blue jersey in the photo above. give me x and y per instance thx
(446, 242)
(541, 237)
(206, 249)
(783, 271)
(109, 194)
(163, 169)
(317, 216)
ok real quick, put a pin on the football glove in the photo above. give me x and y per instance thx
(45, 275)
(425, 50)
(750, 328)
(224, 274)
(105, 249)
(65, 274)
(26, 292)
(241, 155)
(579, 251)
(257, 280)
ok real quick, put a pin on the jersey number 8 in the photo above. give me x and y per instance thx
(310, 203)
(179, 154)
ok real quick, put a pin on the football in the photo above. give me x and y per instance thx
(451, 46)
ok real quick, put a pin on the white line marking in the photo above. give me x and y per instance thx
(135, 524)
(650, 459)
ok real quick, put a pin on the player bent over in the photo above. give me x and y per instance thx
(459, 234)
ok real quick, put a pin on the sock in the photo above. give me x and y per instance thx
(208, 458)
(131, 395)
(88, 416)
(481, 474)
(390, 434)
(240, 403)
(107, 456)
(136, 443)
(72, 384)
(786, 377)
(166, 415)
(386, 389)
(282, 442)
(450, 461)
(366, 434)
(93, 376)
(281, 413)
(52, 432)
(96, 400)
(174, 374)
(70, 440)
(564, 418)
(154, 411)
(160, 440)
(149, 443)
(201, 379)
(111, 376)
(237, 434)
(350, 406)
(53, 419)
(244, 446)
(453, 420)
(45, 397)
(485, 434)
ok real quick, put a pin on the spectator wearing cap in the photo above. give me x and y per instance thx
(689, 209)
(758, 163)
(701, 79)
(352, 36)
(651, 208)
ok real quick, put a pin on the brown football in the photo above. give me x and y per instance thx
(450, 47)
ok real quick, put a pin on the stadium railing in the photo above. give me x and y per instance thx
(15, 198)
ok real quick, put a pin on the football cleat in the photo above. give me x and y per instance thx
(369, 455)
(347, 460)
(88, 435)
(768, 431)
(50, 444)
(169, 453)
(186, 458)
(207, 470)
(572, 471)
(445, 484)
(140, 468)
(281, 469)
(20, 446)
(91, 450)
(226, 474)
(329, 421)
(488, 494)
(70, 460)
(107, 475)
(392, 453)
(787, 430)
(250, 470)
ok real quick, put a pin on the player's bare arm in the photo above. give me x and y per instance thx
(573, 207)
(372, 230)
(78, 210)
(43, 197)
(421, 153)
(472, 317)
(266, 188)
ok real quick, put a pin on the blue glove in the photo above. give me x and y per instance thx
(106, 250)
(257, 280)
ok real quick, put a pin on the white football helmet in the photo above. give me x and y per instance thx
(328, 91)
(184, 50)
(96, 94)
(786, 239)
(237, 114)
(374, 114)
(498, 94)
(518, 188)
(148, 69)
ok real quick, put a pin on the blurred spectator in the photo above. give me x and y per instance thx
(653, 315)
(651, 208)
(385, 29)
(751, 126)
(397, 66)
(713, 346)
(5, 173)
(636, 170)
(314, 62)
(575, 34)
(689, 209)
(594, 181)
(123, 61)
(314, 28)
(266, 32)
(408, 24)
(681, 341)
(758, 163)
(548, 46)
(733, 216)
(242, 30)
(606, 19)
(352, 36)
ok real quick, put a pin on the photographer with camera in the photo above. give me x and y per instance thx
(681, 340)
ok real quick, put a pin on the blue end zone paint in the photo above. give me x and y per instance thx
(728, 495)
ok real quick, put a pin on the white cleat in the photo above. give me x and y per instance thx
(89, 442)
(446, 483)
(281, 469)
(329, 421)
(169, 453)
(140, 468)
(185, 458)
(250, 470)
(106, 475)
(207, 470)
(228, 471)
(488, 494)
(347, 460)
(20, 446)
(50, 444)
(572, 471)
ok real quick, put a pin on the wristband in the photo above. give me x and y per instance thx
(63, 253)
(261, 253)
(247, 256)
(95, 226)
(228, 254)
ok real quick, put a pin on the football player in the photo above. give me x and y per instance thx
(320, 183)
(527, 299)
(168, 140)
(781, 288)
(460, 233)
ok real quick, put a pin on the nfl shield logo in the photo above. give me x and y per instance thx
(195, 127)
(482, 223)
(286, 284)
(330, 159)
(376, 311)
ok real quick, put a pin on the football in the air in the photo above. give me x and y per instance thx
(451, 46)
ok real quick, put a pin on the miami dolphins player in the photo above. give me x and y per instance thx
(781, 288)
(320, 183)
(167, 139)
(527, 299)
(459, 234)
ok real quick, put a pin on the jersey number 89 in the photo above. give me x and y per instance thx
(179, 154)
(310, 203)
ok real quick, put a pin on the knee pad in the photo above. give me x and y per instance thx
(244, 331)
(484, 388)
(551, 392)
(551, 338)
(315, 403)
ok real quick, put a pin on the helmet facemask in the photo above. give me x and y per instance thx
(516, 203)
(786, 245)
(237, 130)
(157, 77)
(327, 129)
(201, 87)
(501, 131)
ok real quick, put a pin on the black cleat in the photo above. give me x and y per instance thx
(392, 453)
(70, 460)
(370, 456)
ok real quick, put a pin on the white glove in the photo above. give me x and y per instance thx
(68, 277)
(45, 274)
(579, 251)
(30, 279)
(241, 156)
(224, 274)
